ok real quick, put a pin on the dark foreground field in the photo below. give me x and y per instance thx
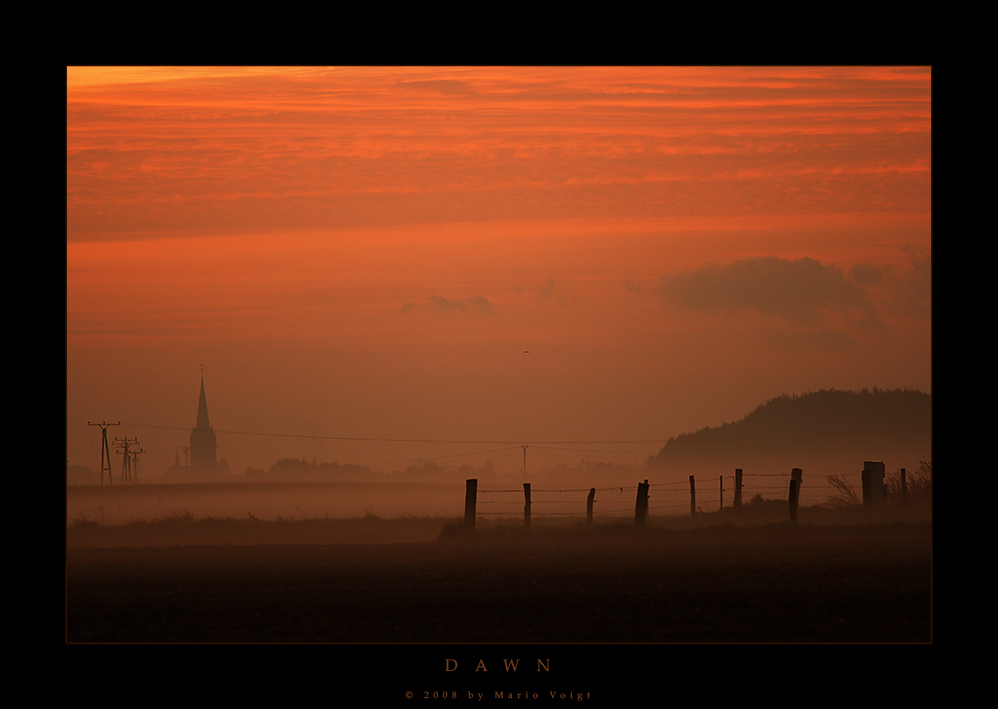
(769, 583)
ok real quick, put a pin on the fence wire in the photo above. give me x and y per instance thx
(671, 498)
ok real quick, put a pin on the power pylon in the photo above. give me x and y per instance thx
(126, 461)
(105, 452)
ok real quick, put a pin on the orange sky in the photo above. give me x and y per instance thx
(369, 251)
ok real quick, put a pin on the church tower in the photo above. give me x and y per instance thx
(203, 441)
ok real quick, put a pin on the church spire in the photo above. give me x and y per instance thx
(202, 422)
(203, 441)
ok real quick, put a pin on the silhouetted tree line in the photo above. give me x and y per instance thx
(300, 469)
(431, 471)
(824, 413)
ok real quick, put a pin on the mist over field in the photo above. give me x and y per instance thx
(826, 433)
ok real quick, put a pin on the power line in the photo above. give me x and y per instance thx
(594, 450)
(404, 440)
(444, 457)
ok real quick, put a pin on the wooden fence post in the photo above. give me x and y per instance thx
(526, 505)
(795, 481)
(738, 487)
(873, 486)
(693, 497)
(589, 506)
(470, 498)
(641, 505)
(720, 486)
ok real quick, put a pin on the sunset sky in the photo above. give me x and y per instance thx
(589, 260)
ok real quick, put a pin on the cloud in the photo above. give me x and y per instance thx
(478, 304)
(824, 339)
(902, 290)
(864, 275)
(800, 292)
(913, 294)
(552, 290)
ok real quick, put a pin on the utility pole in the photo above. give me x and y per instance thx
(126, 460)
(524, 462)
(135, 464)
(105, 452)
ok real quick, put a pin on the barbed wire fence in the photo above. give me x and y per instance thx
(698, 495)
(508, 503)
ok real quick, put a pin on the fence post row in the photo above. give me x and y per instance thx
(470, 497)
(795, 481)
(874, 495)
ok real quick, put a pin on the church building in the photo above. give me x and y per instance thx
(203, 442)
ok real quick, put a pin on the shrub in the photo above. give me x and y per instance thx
(845, 493)
(919, 483)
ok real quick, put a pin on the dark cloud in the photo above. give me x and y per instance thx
(904, 290)
(802, 292)
(478, 304)
(551, 290)
(914, 289)
(824, 339)
(864, 275)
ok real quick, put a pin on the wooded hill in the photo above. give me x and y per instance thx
(825, 429)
